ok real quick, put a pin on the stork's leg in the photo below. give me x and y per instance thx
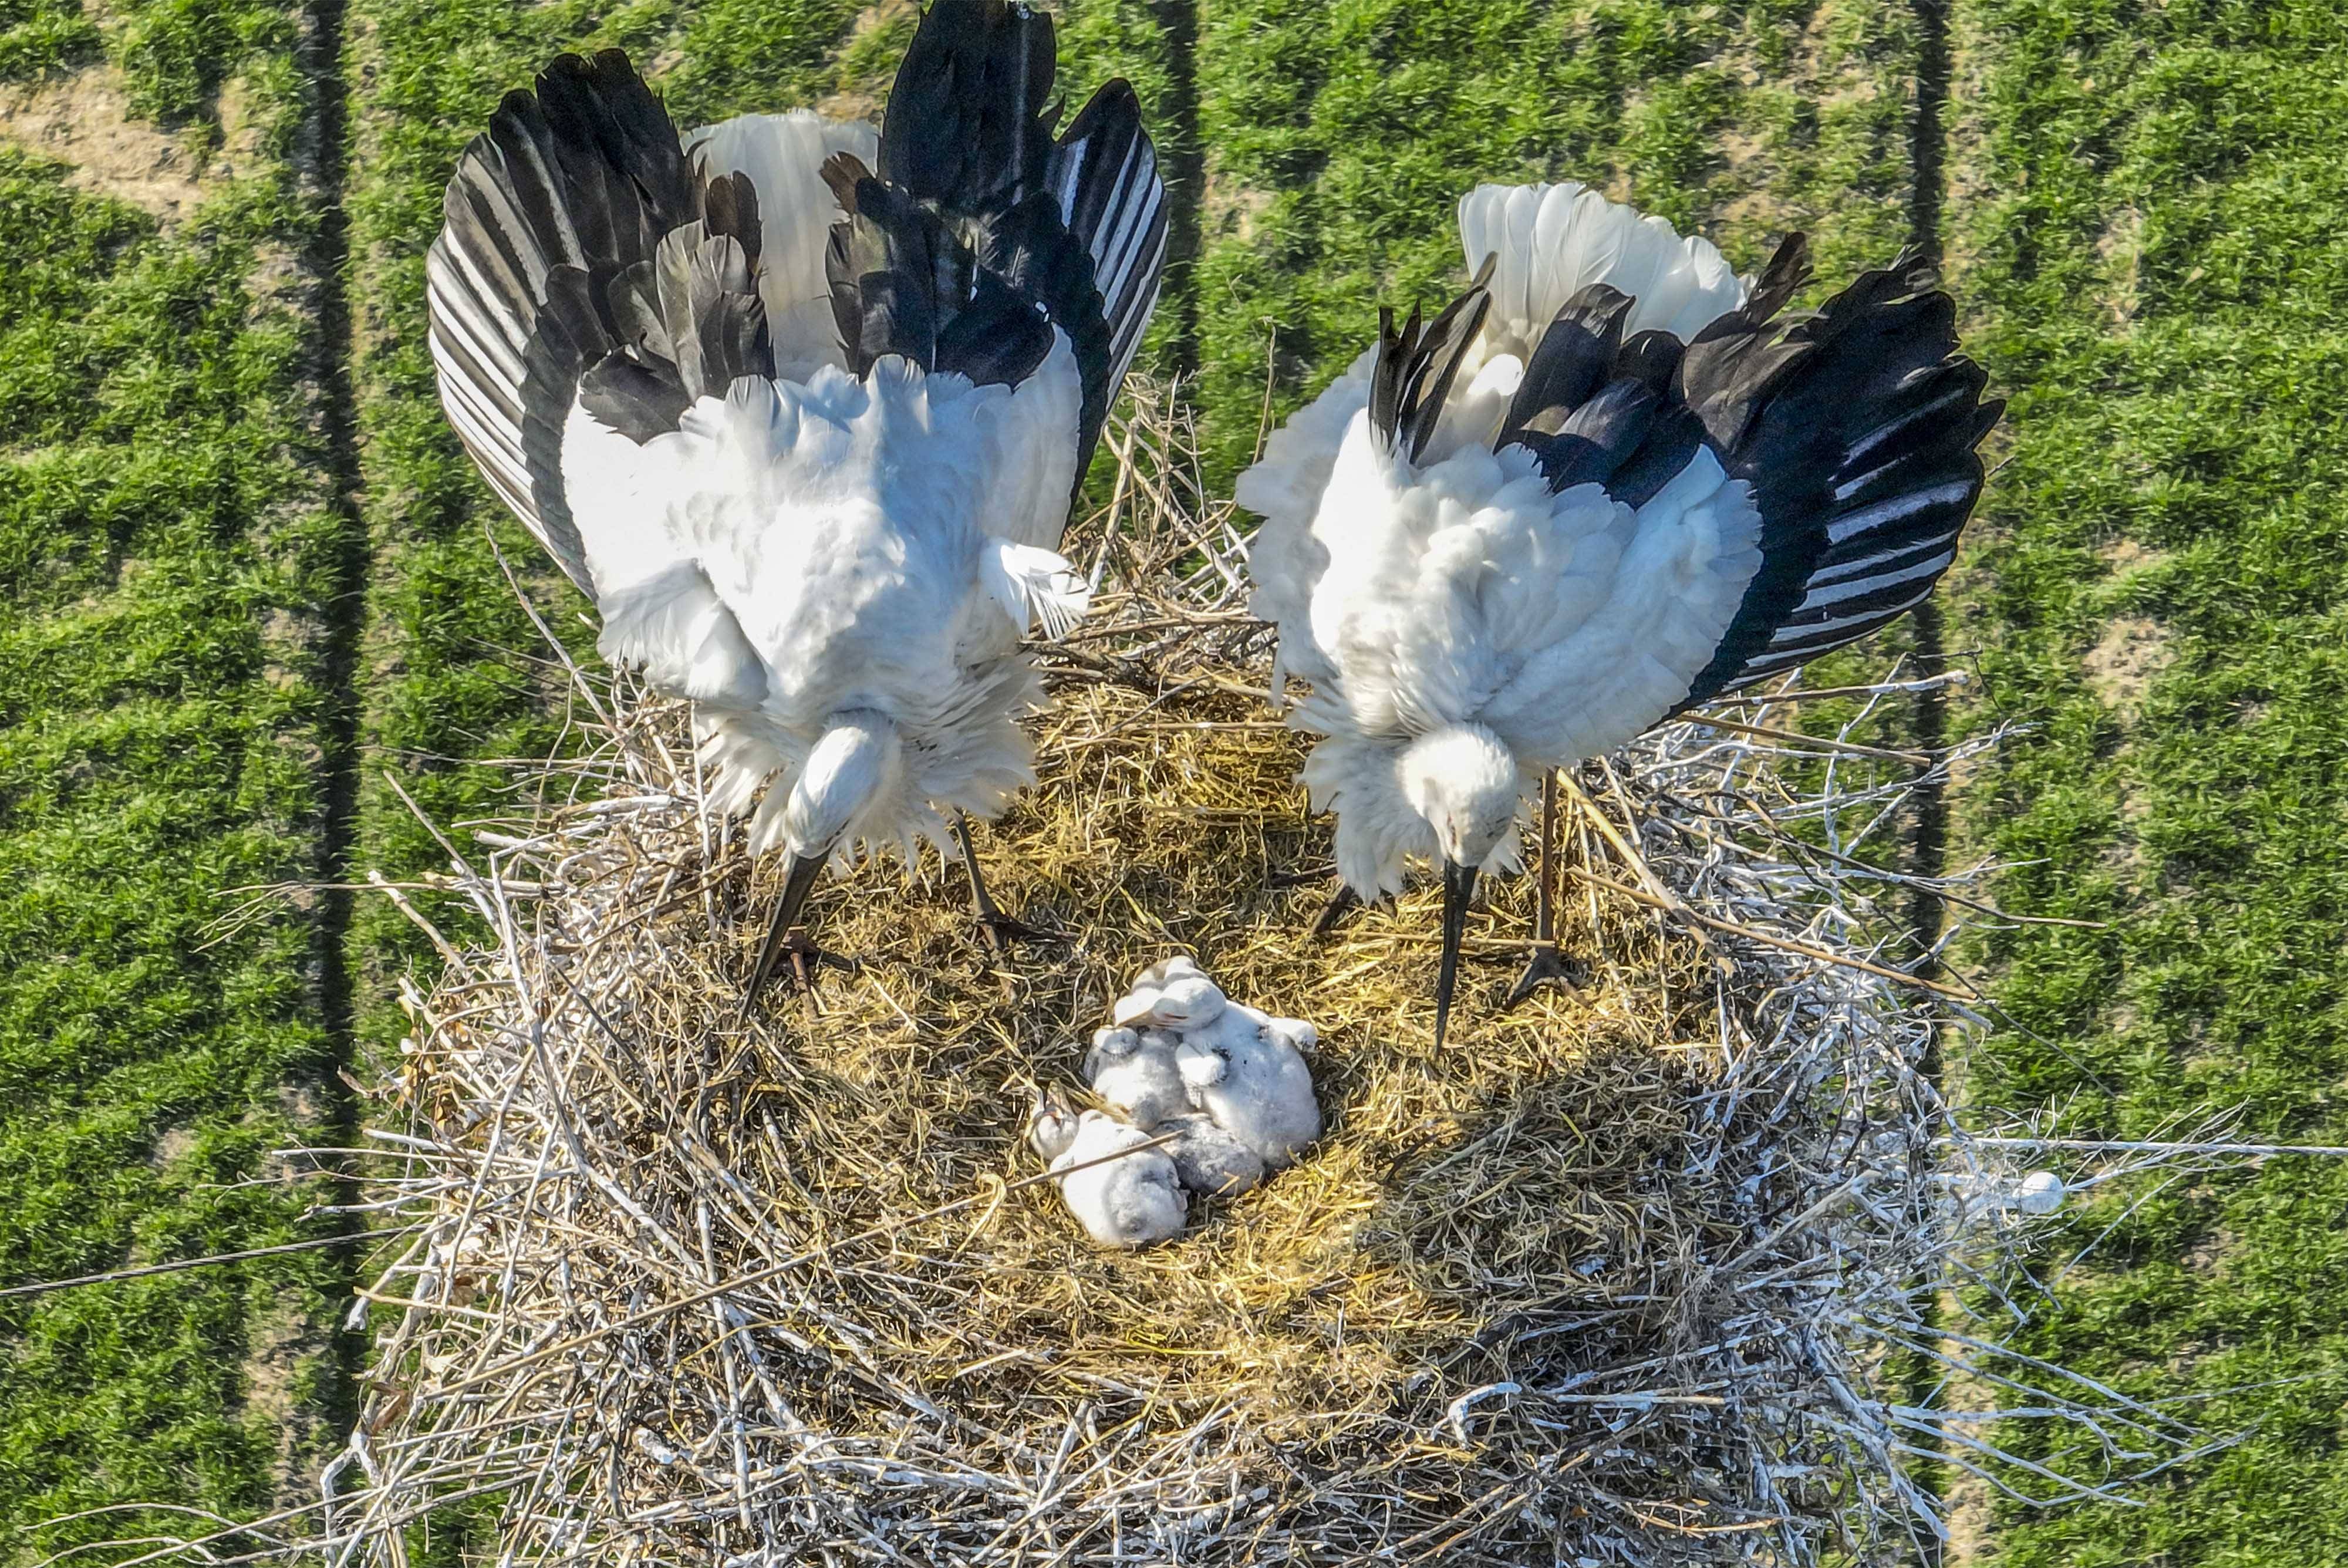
(1341, 903)
(1000, 928)
(1546, 964)
(786, 939)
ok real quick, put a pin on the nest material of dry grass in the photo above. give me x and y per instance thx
(1613, 1279)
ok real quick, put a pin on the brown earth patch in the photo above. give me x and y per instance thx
(2125, 660)
(2120, 248)
(2124, 556)
(84, 119)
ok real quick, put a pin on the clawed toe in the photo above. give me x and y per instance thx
(1545, 965)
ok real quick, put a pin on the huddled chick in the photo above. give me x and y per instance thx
(1209, 1162)
(1130, 1201)
(1251, 1078)
(1243, 1069)
(1135, 1075)
(1224, 1087)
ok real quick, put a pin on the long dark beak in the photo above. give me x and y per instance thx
(1458, 887)
(799, 872)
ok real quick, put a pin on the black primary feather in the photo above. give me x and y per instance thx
(1103, 172)
(1574, 357)
(586, 258)
(969, 124)
(1412, 373)
(1594, 408)
(1856, 428)
(978, 233)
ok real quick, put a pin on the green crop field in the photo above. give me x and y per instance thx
(2145, 207)
(175, 566)
(247, 580)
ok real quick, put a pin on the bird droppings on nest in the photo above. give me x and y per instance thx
(1610, 1279)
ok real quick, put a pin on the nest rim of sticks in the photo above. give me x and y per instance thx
(1616, 1278)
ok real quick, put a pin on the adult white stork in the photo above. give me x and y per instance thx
(802, 406)
(1609, 481)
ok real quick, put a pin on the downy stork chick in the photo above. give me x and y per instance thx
(1251, 1078)
(1244, 1068)
(802, 406)
(1172, 994)
(1610, 482)
(1211, 1162)
(1128, 1199)
(1133, 1072)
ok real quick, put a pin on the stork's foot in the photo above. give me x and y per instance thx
(792, 959)
(1000, 931)
(1341, 903)
(1544, 966)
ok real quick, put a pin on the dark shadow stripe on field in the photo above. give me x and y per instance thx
(1186, 179)
(325, 159)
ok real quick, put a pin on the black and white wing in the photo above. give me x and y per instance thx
(585, 259)
(977, 232)
(1855, 427)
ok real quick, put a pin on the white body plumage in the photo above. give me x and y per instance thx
(1607, 482)
(840, 555)
(1464, 627)
(802, 405)
(1131, 1197)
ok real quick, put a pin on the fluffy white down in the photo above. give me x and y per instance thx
(1209, 1161)
(797, 549)
(782, 153)
(1251, 1081)
(1130, 1201)
(1458, 590)
(1133, 1072)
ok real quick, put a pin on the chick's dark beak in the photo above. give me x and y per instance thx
(1458, 887)
(799, 872)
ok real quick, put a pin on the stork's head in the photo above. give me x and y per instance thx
(1467, 786)
(1465, 783)
(858, 762)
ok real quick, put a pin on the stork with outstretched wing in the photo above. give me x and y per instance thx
(802, 406)
(1609, 481)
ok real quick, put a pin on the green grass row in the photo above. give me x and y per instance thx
(168, 551)
(2144, 211)
(1340, 136)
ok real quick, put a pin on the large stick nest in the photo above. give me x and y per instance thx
(1613, 1278)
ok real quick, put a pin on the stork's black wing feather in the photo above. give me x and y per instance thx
(968, 125)
(1412, 373)
(583, 255)
(1594, 408)
(1103, 176)
(974, 207)
(1855, 427)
